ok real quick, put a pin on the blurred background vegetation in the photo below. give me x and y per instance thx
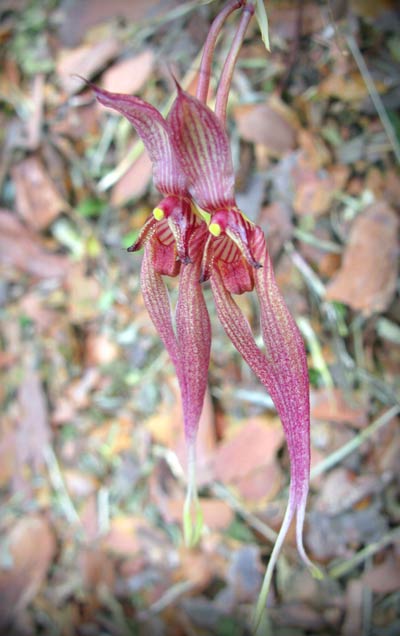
(92, 456)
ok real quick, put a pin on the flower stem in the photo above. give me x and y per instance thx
(230, 62)
(209, 47)
(192, 514)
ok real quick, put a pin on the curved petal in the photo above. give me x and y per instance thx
(153, 131)
(155, 296)
(287, 357)
(194, 337)
(283, 371)
(202, 148)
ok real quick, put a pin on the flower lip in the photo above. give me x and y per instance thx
(233, 224)
(182, 221)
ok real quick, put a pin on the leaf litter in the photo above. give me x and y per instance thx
(91, 443)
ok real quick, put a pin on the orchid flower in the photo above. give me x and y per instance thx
(236, 260)
(172, 238)
(198, 232)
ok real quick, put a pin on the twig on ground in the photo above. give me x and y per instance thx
(337, 456)
(376, 99)
(347, 566)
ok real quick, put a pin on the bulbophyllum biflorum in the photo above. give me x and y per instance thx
(198, 233)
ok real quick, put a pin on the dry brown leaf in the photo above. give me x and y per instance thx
(34, 306)
(348, 88)
(354, 603)
(253, 446)
(97, 569)
(34, 123)
(83, 294)
(77, 393)
(81, 17)
(33, 433)
(261, 485)
(21, 248)
(37, 199)
(367, 278)
(115, 436)
(195, 566)
(129, 75)
(371, 9)
(332, 405)
(100, 349)
(341, 491)
(245, 574)
(283, 18)
(86, 60)
(129, 536)
(383, 578)
(134, 182)
(315, 189)
(264, 124)
(217, 514)
(8, 450)
(31, 544)
(313, 149)
(89, 517)
(276, 220)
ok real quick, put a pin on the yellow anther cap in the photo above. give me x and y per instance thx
(158, 214)
(215, 229)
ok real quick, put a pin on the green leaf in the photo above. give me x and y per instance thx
(262, 20)
(91, 207)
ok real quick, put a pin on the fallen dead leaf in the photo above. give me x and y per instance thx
(97, 569)
(86, 60)
(89, 517)
(338, 535)
(253, 446)
(276, 220)
(341, 491)
(331, 405)
(37, 199)
(313, 149)
(243, 577)
(31, 545)
(354, 604)
(34, 124)
(79, 18)
(83, 294)
(114, 436)
(33, 432)
(8, 450)
(261, 485)
(367, 278)
(315, 189)
(129, 75)
(196, 567)
(383, 578)
(21, 248)
(100, 349)
(133, 184)
(34, 307)
(348, 88)
(134, 536)
(284, 19)
(264, 124)
(217, 514)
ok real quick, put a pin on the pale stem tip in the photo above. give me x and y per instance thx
(192, 513)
